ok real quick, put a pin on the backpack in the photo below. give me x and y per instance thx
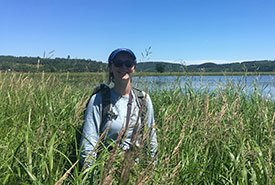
(105, 91)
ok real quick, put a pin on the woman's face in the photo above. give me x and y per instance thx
(123, 72)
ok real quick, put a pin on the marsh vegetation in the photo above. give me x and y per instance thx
(217, 137)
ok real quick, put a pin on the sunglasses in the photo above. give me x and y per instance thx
(127, 63)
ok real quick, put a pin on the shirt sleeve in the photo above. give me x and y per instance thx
(90, 132)
(151, 124)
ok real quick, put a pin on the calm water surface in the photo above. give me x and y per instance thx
(265, 85)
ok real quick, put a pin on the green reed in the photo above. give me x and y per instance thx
(218, 137)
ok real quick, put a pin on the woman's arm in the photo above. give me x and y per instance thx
(90, 133)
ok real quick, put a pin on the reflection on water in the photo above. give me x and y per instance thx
(264, 85)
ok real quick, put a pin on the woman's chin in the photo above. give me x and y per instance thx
(123, 78)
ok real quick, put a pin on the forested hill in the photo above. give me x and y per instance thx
(37, 64)
(251, 66)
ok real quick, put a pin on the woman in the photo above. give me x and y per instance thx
(124, 110)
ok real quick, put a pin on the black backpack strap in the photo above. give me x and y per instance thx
(142, 103)
(106, 103)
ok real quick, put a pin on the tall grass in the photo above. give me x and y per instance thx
(217, 137)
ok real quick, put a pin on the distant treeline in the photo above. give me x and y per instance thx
(37, 64)
(251, 66)
(248, 66)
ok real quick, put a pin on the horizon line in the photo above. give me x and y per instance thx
(183, 62)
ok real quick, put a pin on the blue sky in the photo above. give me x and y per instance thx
(186, 31)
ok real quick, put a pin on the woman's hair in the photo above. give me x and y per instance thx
(110, 75)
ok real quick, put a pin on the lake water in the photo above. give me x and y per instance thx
(265, 85)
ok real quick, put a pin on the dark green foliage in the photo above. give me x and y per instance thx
(36, 64)
(160, 68)
(251, 66)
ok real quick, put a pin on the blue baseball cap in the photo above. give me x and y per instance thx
(120, 50)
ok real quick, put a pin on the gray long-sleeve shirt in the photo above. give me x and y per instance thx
(93, 115)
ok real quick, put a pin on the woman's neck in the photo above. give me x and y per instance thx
(123, 89)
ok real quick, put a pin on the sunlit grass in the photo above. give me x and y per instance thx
(217, 137)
